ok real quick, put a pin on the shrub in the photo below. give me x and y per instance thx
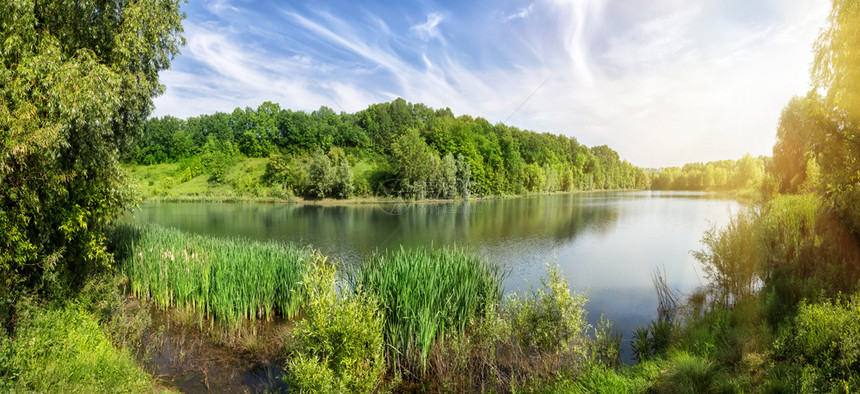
(282, 170)
(730, 260)
(605, 349)
(551, 321)
(691, 374)
(343, 186)
(321, 175)
(825, 339)
(641, 344)
(340, 341)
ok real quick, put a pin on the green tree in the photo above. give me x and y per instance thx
(836, 75)
(448, 177)
(793, 142)
(343, 185)
(533, 179)
(76, 83)
(411, 160)
(321, 175)
(464, 177)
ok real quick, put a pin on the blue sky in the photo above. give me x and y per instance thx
(663, 82)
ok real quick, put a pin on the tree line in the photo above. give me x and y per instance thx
(409, 150)
(748, 172)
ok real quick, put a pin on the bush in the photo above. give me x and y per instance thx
(343, 186)
(691, 374)
(641, 344)
(825, 339)
(549, 322)
(731, 259)
(321, 175)
(605, 349)
(340, 341)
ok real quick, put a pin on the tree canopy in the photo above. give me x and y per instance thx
(818, 139)
(76, 85)
(409, 149)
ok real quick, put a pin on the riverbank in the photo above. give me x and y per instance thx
(244, 182)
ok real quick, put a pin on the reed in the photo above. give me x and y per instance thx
(225, 279)
(426, 294)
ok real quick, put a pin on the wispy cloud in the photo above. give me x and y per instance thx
(521, 13)
(428, 30)
(664, 84)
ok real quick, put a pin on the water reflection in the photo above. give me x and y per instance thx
(606, 243)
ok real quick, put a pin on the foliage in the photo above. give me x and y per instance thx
(425, 294)
(552, 321)
(641, 344)
(808, 252)
(227, 279)
(76, 83)
(65, 350)
(833, 109)
(730, 261)
(825, 340)
(321, 175)
(500, 352)
(605, 348)
(792, 155)
(748, 172)
(691, 374)
(340, 341)
(603, 381)
(343, 180)
(414, 151)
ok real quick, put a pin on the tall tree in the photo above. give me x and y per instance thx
(836, 75)
(76, 83)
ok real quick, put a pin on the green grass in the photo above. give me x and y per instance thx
(228, 279)
(65, 350)
(170, 182)
(426, 293)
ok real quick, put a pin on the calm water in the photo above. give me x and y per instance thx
(607, 244)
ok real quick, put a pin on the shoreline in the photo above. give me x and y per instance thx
(743, 196)
(355, 201)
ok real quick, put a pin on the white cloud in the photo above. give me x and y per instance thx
(657, 83)
(428, 30)
(521, 13)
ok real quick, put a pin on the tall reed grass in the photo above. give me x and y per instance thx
(426, 293)
(228, 279)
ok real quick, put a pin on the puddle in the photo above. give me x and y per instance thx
(188, 359)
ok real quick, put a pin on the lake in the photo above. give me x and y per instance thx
(607, 244)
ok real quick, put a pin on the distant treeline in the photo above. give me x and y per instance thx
(748, 172)
(402, 148)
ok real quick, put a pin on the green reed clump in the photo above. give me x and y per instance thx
(424, 294)
(228, 279)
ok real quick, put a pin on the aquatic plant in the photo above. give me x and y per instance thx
(425, 293)
(228, 279)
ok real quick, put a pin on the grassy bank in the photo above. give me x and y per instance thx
(85, 343)
(243, 179)
(65, 350)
